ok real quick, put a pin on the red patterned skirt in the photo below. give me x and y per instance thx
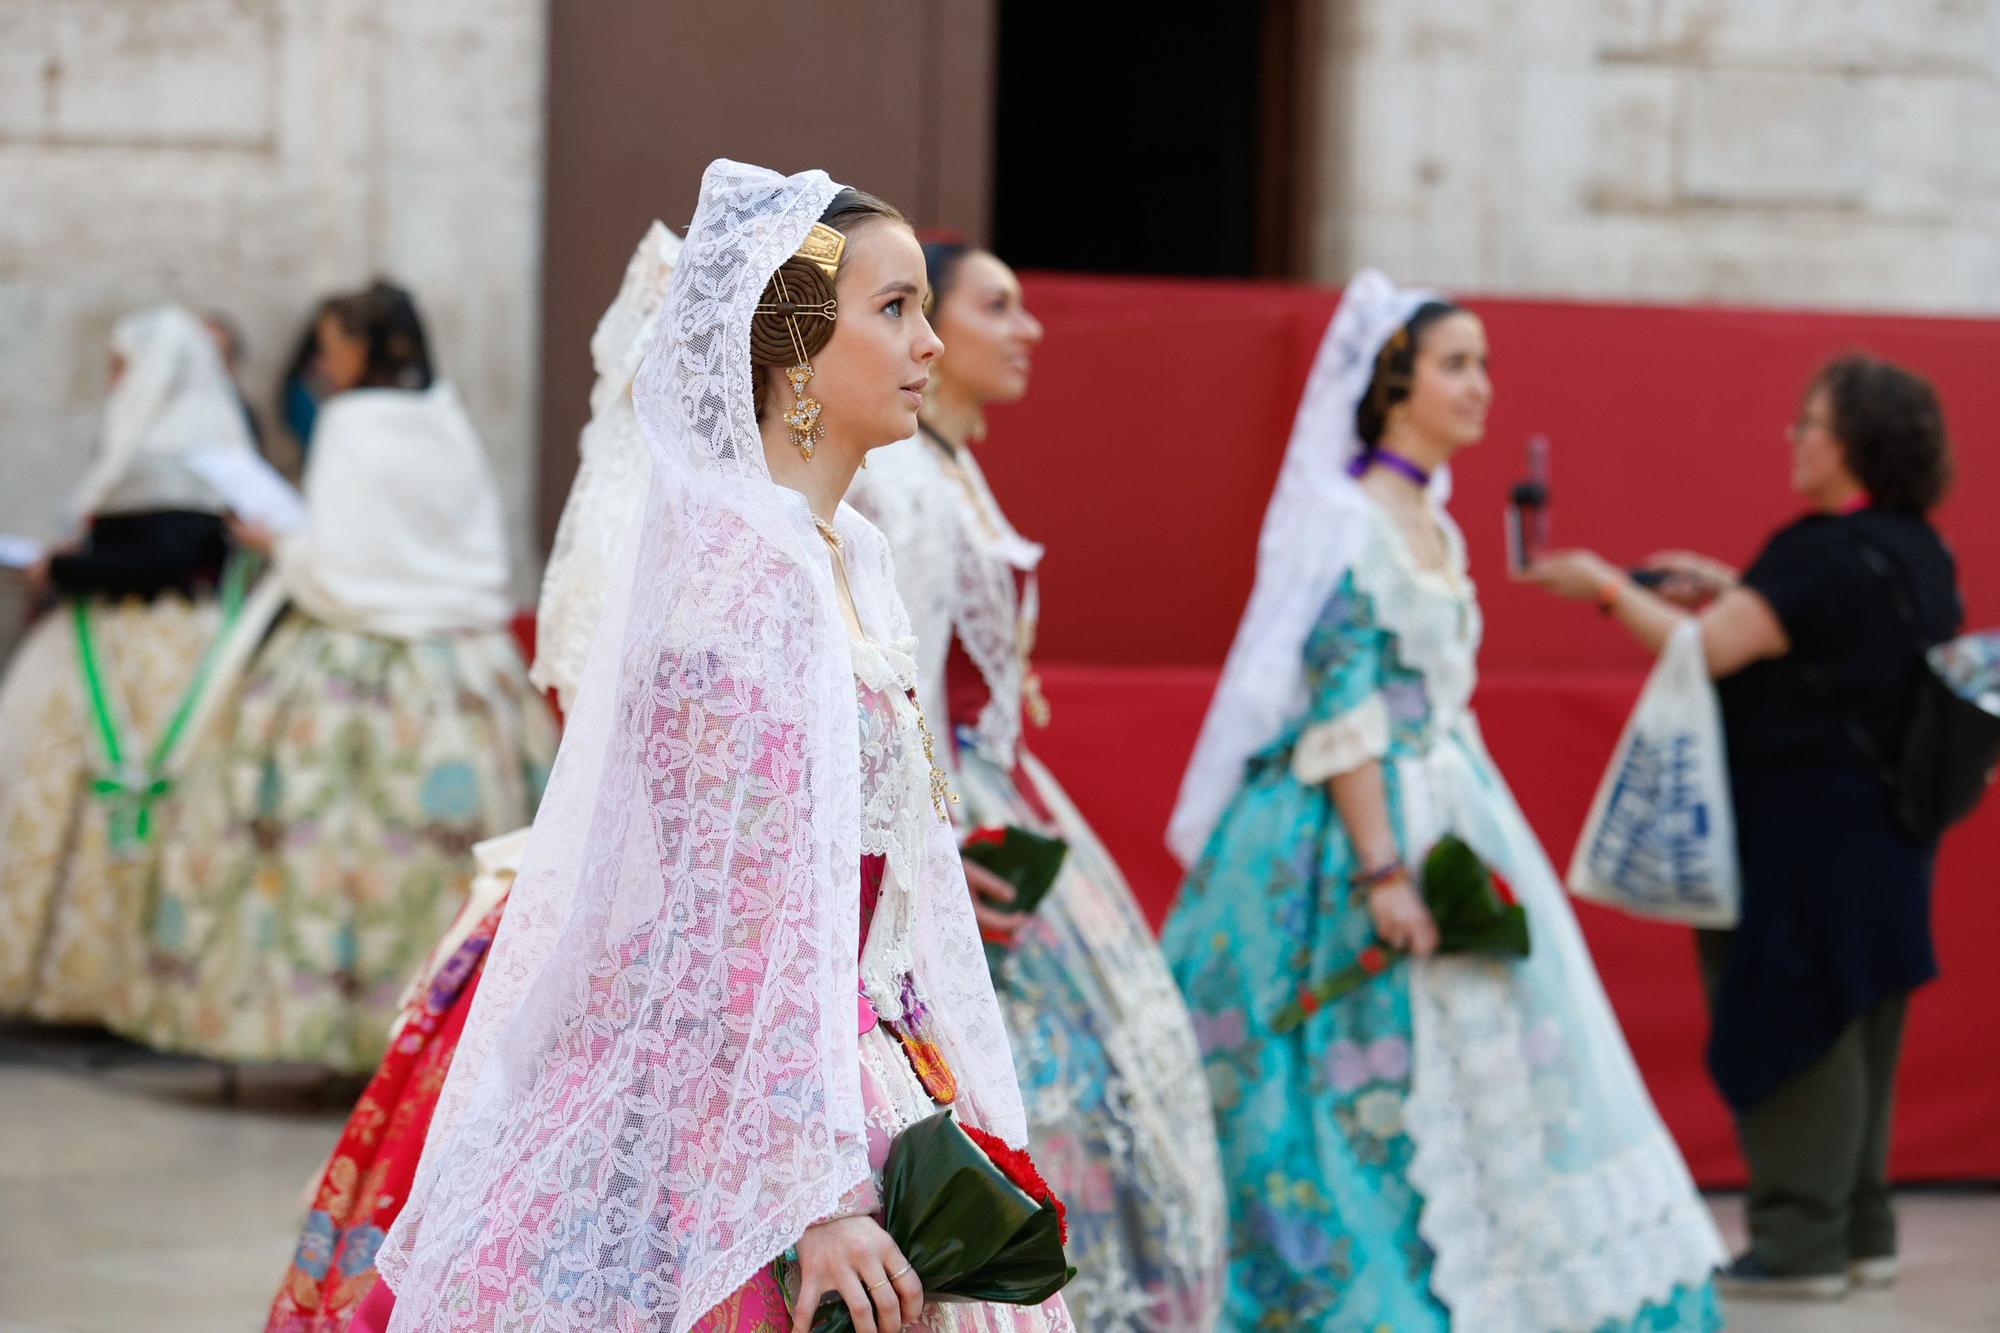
(368, 1178)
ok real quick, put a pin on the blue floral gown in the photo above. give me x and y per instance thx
(1458, 1143)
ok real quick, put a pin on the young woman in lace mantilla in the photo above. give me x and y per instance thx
(739, 956)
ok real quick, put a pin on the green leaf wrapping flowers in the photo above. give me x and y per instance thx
(965, 1223)
(1475, 911)
(1028, 861)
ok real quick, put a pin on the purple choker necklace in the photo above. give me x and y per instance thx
(1394, 462)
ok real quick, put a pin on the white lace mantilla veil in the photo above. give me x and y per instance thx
(1312, 528)
(174, 400)
(610, 479)
(658, 1088)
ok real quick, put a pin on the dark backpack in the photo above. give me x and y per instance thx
(1950, 745)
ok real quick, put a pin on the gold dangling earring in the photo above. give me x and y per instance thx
(804, 415)
(822, 247)
(803, 418)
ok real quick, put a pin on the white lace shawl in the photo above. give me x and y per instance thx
(957, 565)
(610, 479)
(658, 1088)
(1435, 619)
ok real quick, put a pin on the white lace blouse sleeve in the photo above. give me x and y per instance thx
(1327, 749)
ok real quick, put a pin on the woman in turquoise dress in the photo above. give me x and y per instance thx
(1461, 1142)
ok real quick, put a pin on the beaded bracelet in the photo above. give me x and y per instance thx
(1377, 876)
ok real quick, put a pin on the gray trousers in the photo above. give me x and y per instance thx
(1818, 1146)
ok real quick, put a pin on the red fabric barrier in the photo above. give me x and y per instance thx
(1145, 453)
(1121, 735)
(1146, 449)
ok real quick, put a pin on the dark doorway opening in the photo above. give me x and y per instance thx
(1127, 141)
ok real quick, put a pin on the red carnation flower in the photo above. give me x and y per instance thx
(985, 837)
(1017, 1166)
(1372, 960)
(1504, 891)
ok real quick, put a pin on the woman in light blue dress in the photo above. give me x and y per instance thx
(1461, 1142)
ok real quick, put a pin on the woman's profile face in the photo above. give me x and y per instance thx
(870, 376)
(1450, 391)
(343, 356)
(1819, 464)
(988, 334)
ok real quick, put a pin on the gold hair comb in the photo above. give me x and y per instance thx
(824, 246)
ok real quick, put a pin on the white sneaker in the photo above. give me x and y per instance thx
(1874, 1273)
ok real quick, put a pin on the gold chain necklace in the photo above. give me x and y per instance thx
(941, 791)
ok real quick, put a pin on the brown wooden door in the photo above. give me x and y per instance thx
(895, 98)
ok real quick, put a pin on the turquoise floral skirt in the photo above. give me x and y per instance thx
(1323, 1214)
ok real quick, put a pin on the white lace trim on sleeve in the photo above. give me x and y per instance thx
(1328, 749)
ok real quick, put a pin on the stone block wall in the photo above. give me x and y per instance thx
(1813, 153)
(251, 155)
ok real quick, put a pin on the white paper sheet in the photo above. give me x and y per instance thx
(18, 552)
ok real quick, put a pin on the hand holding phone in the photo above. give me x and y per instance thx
(1528, 510)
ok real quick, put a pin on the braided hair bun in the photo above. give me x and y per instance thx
(795, 296)
(800, 292)
(1395, 372)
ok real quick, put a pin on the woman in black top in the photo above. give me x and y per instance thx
(140, 554)
(87, 706)
(1815, 666)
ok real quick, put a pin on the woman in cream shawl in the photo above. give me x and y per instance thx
(383, 724)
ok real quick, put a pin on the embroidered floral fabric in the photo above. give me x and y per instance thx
(1459, 1143)
(323, 841)
(368, 1177)
(72, 898)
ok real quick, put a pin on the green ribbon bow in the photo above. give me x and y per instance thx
(130, 789)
